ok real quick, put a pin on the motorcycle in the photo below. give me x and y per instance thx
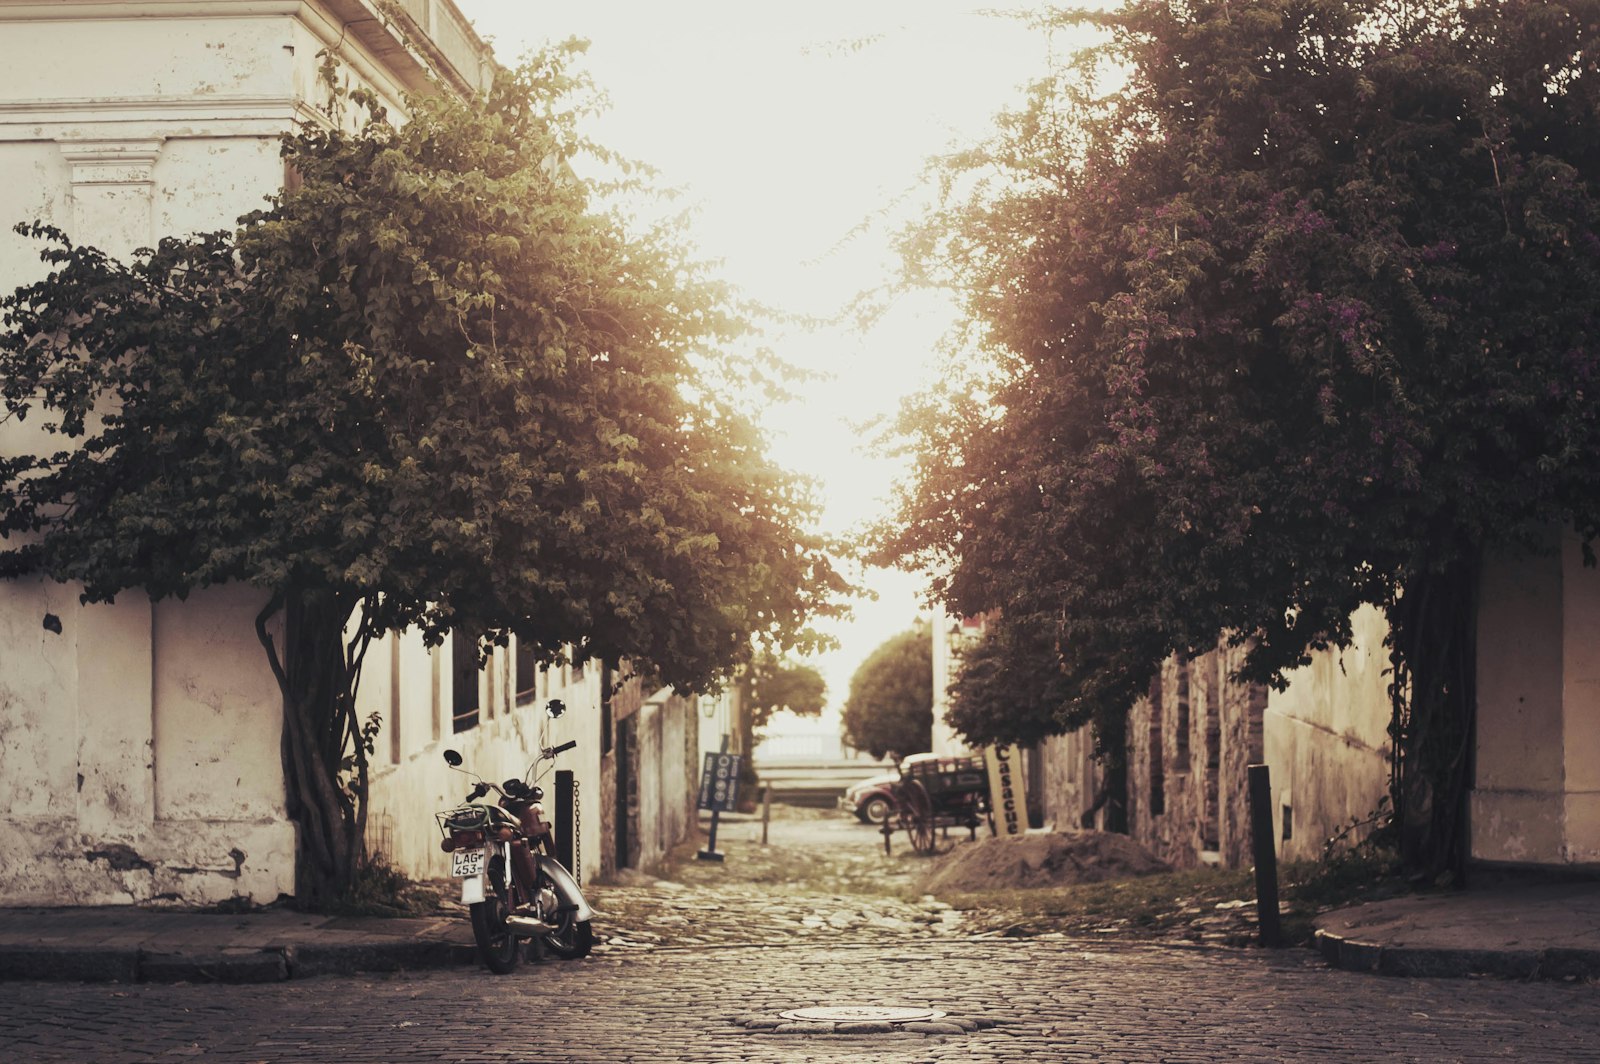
(503, 852)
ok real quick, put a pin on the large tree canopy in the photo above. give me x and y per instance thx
(890, 705)
(1290, 306)
(432, 386)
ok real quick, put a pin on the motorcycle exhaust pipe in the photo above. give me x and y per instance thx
(527, 925)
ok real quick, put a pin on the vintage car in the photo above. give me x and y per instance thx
(872, 798)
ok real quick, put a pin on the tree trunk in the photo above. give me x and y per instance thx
(1433, 646)
(1111, 749)
(324, 756)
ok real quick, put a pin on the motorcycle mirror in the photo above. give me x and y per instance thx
(452, 759)
(555, 708)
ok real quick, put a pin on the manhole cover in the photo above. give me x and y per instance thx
(850, 1013)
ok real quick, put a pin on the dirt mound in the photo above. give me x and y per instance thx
(1041, 860)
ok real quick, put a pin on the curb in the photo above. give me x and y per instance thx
(1354, 955)
(271, 965)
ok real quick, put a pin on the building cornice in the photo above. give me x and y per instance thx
(67, 10)
(169, 118)
(389, 31)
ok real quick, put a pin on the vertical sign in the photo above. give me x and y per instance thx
(719, 783)
(1007, 798)
(719, 792)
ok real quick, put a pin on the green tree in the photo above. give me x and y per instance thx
(890, 706)
(1290, 307)
(1010, 687)
(432, 387)
(768, 683)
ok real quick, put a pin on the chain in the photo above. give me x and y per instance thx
(577, 835)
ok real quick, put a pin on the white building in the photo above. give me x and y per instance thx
(139, 742)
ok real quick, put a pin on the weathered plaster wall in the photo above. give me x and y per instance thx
(1327, 740)
(405, 793)
(139, 743)
(128, 775)
(668, 774)
(678, 774)
(1536, 795)
(652, 844)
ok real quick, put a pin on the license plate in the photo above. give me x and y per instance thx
(466, 863)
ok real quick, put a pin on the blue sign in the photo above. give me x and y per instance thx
(719, 783)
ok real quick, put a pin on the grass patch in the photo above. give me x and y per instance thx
(1366, 873)
(1203, 904)
(1145, 904)
(382, 890)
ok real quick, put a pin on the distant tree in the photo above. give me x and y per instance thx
(767, 684)
(1290, 308)
(1010, 687)
(890, 706)
(770, 683)
(431, 387)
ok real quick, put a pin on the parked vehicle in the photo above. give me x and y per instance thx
(503, 851)
(869, 800)
(874, 798)
(938, 792)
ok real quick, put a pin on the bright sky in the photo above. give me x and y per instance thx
(788, 127)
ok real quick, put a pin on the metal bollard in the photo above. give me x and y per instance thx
(1265, 851)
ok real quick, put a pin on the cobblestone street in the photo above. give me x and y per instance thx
(1053, 1001)
(690, 961)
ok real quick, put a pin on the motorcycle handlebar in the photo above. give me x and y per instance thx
(563, 747)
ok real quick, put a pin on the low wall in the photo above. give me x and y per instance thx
(410, 779)
(138, 751)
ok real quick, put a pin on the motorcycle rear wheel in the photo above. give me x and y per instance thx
(572, 938)
(498, 947)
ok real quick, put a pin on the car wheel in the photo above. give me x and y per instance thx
(874, 809)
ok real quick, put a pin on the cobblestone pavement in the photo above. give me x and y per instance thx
(822, 875)
(820, 917)
(1053, 1001)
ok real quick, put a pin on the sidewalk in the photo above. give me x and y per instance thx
(151, 945)
(1521, 931)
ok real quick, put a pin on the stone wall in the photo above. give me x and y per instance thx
(1189, 741)
(1192, 738)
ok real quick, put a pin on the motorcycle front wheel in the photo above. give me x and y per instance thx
(572, 938)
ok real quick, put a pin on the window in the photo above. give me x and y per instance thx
(608, 678)
(525, 678)
(1180, 761)
(1158, 776)
(464, 671)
